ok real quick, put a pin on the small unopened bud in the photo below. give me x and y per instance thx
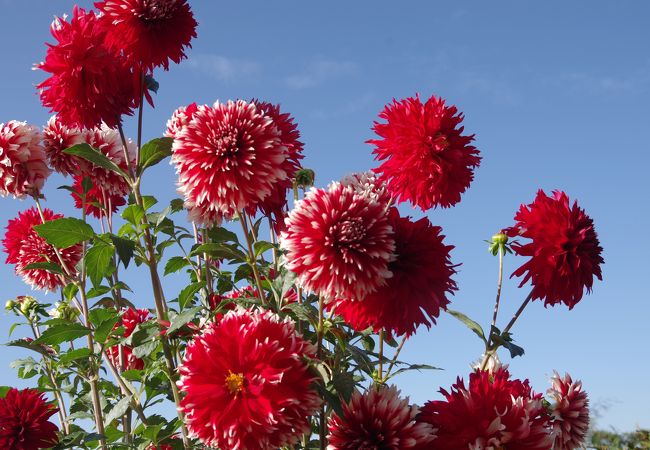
(27, 304)
(10, 305)
(499, 244)
(500, 239)
(305, 178)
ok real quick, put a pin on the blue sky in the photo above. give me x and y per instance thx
(557, 93)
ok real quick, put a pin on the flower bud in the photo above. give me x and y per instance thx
(27, 304)
(10, 305)
(305, 178)
(500, 238)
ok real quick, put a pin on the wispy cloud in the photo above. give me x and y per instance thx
(224, 68)
(320, 71)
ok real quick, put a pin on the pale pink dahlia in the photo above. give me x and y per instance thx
(247, 384)
(338, 242)
(180, 119)
(378, 420)
(570, 412)
(228, 159)
(23, 169)
(58, 137)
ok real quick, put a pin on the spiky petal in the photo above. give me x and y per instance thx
(23, 167)
(570, 411)
(24, 421)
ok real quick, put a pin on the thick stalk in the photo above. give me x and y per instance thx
(380, 371)
(251, 256)
(319, 354)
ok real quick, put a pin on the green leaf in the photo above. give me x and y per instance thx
(145, 349)
(70, 291)
(262, 246)
(175, 264)
(62, 333)
(176, 205)
(155, 151)
(220, 234)
(88, 153)
(48, 266)
(181, 319)
(187, 294)
(29, 345)
(220, 251)
(73, 355)
(472, 325)
(65, 232)
(506, 341)
(98, 261)
(417, 367)
(104, 329)
(4, 390)
(99, 315)
(124, 247)
(148, 201)
(133, 214)
(118, 410)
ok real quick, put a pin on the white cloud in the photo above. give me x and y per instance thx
(223, 68)
(320, 71)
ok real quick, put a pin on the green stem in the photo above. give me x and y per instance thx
(380, 371)
(488, 344)
(251, 256)
(394, 360)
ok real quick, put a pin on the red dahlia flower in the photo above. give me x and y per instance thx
(570, 412)
(149, 32)
(58, 137)
(23, 169)
(426, 158)
(180, 119)
(89, 85)
(338, 242)
(493, 413)
(24, 246)
(99, 201)
(379, 419)
(24, 423)
(247, 384)
(228, 159)
(129, 320)
(564, 250)
(418, 289)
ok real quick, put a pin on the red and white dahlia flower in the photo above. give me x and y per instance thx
(24, 246)
(418, 288)
(247, 384)
(24, 421)
(492, 413)
(99, 202)
(426, 159)
(122, 355)
(564, 250)
(23, 167)
(148, 32)
(58, 137)
(180, 119)
(338, 242)
(228, 159)
(108, 141)
(570, 412)
(88, 84)
(379, 419)
(368, 184)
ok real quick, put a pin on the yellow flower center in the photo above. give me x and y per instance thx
(235, 382)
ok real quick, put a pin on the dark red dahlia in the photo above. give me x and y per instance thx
(23, 166)
(24, 421)
(570, 410)
(564, 250)
(493, 412)
(89, 84)
(228, 158)
(148, 32)
(122, 355)
(377, 420)
(418, 289)
(339, 243)
(24, 246)
(100, 202)
(247, 384)
(58, 137)
(426, 158)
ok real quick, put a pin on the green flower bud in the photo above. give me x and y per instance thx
(10, 305)
(500, 239)
(305, 178)
(27, 304)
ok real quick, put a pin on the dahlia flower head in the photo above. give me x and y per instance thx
(149, 33)
(338, 242)
(229, 158)
(492, 413)
(563, 247)
(378, 419)
(88, 84)
(108, 142)
(180, 118)
(58, 137)
(122, 355)
(570, 411)
(24, 421)
(369, 185)
(247, 384)
(419, 286)
(98, 202)
(425, 157)
(23, 166)
(24, 246)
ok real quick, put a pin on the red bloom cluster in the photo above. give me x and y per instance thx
(493, 412)
(149, 32)
(228, 158)
(247, 384)
(24, 246)
(570, 412)
(88, 84)
(379, 419)
(338, 242)
(426, 158)
(416, 292)
(564, 250)
(129, 320)
(24, 421)
(23, 169)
